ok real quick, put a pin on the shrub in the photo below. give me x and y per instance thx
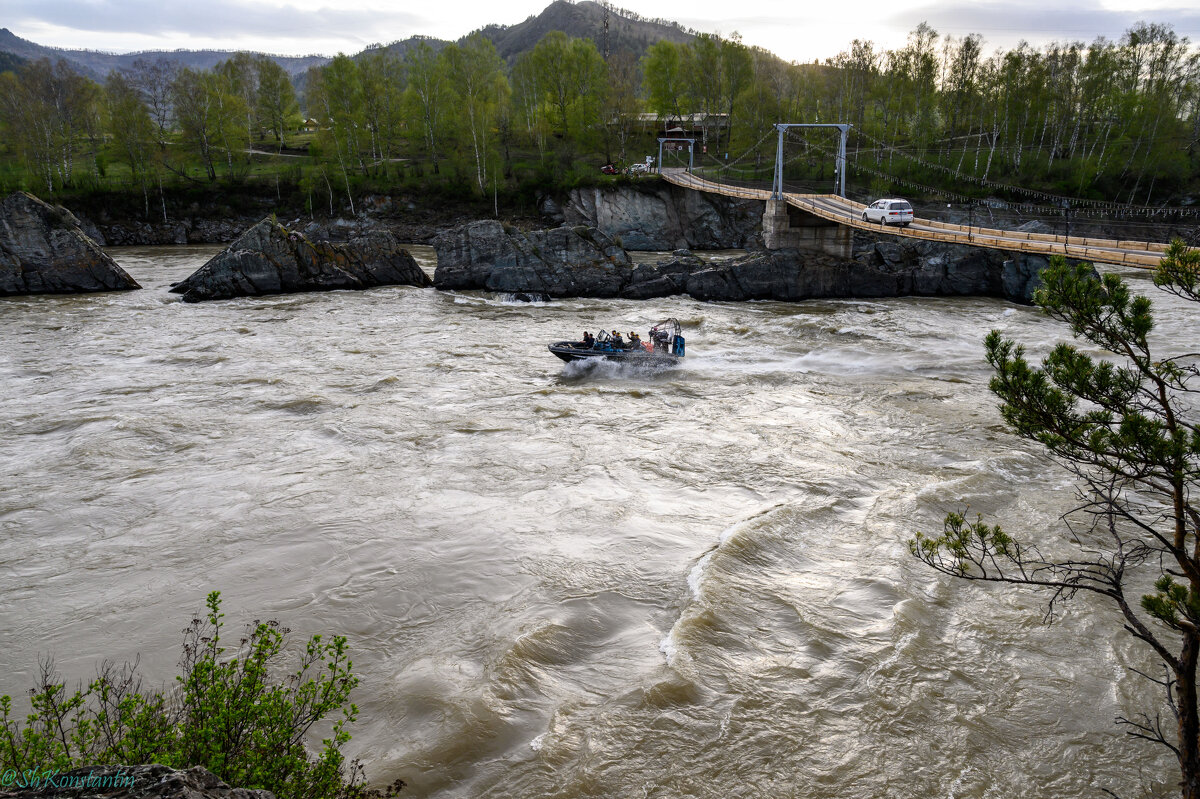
(228, 714)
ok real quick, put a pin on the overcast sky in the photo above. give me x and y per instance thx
(797, 30)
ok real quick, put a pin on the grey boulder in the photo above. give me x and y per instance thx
(43, 250)
(269, 259)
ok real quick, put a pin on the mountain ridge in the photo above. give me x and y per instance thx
(627, 31)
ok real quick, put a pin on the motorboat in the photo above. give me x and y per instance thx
(664, 346)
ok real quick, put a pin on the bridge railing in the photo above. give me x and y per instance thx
(1130, 253)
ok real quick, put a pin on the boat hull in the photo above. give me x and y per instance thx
(570, 352)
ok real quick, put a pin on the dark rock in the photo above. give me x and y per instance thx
(131, 782)
(44, 251)
(582, 262)
(267, 259)
(90, 230)
(666, 217)
(561, 262)
(550, 210)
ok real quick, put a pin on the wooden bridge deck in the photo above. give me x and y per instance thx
(1145, 254)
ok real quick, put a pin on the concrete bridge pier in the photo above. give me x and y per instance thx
(787, 227)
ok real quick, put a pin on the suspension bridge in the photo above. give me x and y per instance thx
(825, 222)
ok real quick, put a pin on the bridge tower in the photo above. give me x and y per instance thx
(785, 227)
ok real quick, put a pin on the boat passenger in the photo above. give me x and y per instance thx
(635, 341)
(588, 339)
(617, 341)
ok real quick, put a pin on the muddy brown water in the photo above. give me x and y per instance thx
(564, 581)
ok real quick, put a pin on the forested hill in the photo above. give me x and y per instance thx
(96, 65)
(585, 20)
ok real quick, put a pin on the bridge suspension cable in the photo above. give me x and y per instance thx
(1100, 211)
(1056, 198)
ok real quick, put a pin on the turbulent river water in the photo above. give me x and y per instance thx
(562, 581)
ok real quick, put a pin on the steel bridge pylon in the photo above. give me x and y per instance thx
(839, 164)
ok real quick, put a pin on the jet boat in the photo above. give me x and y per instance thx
(664, 347)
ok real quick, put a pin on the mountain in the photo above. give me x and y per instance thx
(95, 64)
(398, 49)
(585, 20)
(626, 31)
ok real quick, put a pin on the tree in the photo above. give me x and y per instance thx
(664, 76)
(382, 76)
(276, 100)
(622, 100)
(1130, 434)
(131, 130)
(477, 73)
(154, 80)
(211, 117)
(427, 96)
(48, 108)
(335, 97)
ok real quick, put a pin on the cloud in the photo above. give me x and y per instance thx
(1002, 24)
(213, 19)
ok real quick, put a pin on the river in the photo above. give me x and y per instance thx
(563, 581)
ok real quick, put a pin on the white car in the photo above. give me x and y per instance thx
(889, 212)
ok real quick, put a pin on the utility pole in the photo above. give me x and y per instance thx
(605, 7)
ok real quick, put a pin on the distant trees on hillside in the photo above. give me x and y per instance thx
(1112, 119)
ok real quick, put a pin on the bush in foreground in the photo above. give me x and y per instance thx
(228, 713)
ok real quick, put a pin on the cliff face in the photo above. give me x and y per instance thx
(657, 216)
(583, 262)
(44, 251)
(562, 262)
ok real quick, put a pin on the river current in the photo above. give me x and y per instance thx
(562, 581)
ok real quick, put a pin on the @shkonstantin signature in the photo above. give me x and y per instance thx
(54, 778)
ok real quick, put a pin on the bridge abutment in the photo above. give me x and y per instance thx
(787, 227)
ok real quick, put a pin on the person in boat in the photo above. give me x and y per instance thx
(617, 341)
(589, 340)
(660, 340)
(635, 341)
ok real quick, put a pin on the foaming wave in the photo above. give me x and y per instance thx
(670, 644)
(600, 368)
(840, 362)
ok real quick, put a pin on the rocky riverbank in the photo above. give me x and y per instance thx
(585, 262)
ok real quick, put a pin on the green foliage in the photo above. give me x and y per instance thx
(229, 713)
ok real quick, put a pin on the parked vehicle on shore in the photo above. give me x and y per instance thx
(892, 211)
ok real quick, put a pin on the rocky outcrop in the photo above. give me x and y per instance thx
(582, 262)
(792, 275)
(126, 782)
(917, 266)
(561, 262)
(659, 216)
(44, 251)
(268, 259)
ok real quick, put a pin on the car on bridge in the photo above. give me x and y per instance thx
(889, 212)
